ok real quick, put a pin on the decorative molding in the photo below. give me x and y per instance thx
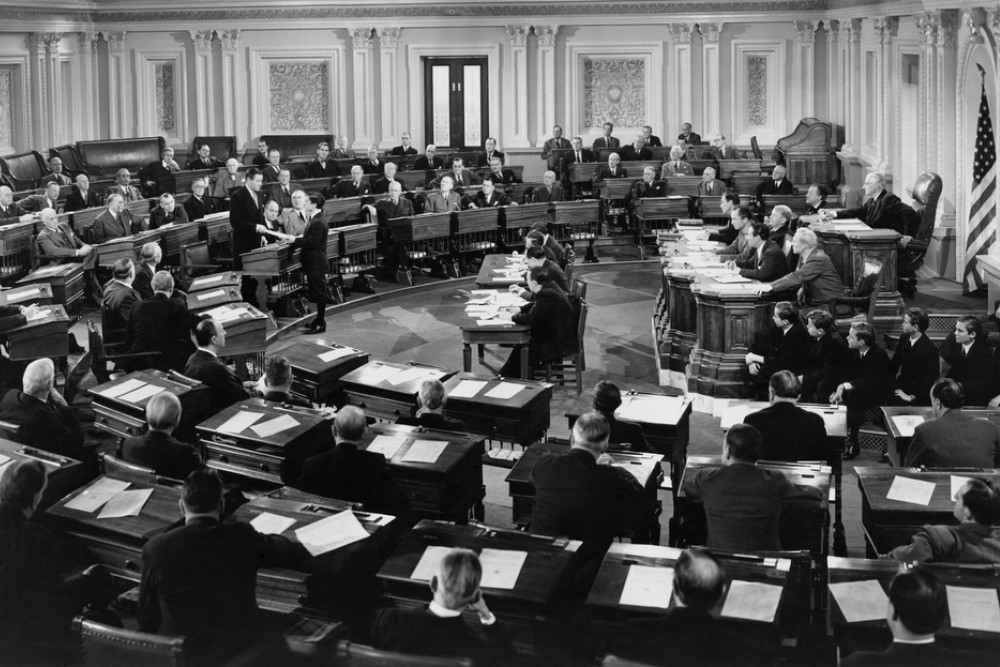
(711, 77)
(388, 38)
(518, 91)
(947, 32)
(20, 111)
(710, 32)
(229, 39)
(204, 122)
(152, 91)
(202, 40)
(805, 31)
(993, 20)
(260, 65)
(758, 63)
(364, 95)
(832, 31)
(116, 42)
(545, 81)
(546, 34)
(361, 38)
(886, 28)
(518, 35)
(681, 32)
(389, 70)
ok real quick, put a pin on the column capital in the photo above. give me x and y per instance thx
(947, 32)
(48, 39)
(710, 32)
(886, 27)
(992, 20)
(229, 39)
(832, 31)
(518, 35)
(202, 40)
(681, 32)
(546, 34)
(853, 30)
(116, 42)
(389, 37)
(361, 38)
(805, 31)
(88, 40)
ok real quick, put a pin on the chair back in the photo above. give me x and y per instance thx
(196, 259)
(10, 431)
(580, 289)
(222, 147)
(350, 654)
(113, 327)
(755, 147)
(112, 465)
(927, 191)
(107, 646)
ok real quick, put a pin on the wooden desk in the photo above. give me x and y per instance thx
(899, 439)
(523, 418)
(516, 222)
(216, 229)
(488, 278)
(246, 328)
(175, 237)
(223, 292)
(346, 211)
(39, 293)
(65, 283)
(357, 248)
(682, 330)
(126, 247)
(891, 523)
(451, 487)
(501, 333)
(63, 473)
(123, 414)
(475, 231)
(44, 337)
(425, 236)
(15, 250)
(525, 609)
(271, 260)
(381, 389)
(317, 369)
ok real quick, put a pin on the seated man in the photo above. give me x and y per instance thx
(123, 186)
(816, 198)
(348, 472)
(881, 210)
(710, 186)
(157, 449)
(461, 176)
(768, 262)
(489, 196)
(782, 226)
(198, 205)
(550, 191)
(915, 364)
(372, 164)
(281, 192)
(343, 151)
(440, 630)
(868, 382)
(782, 347)
(446, 200)
(553, 325)
(973, 541)
(612, 170)
(788, 433)
(158, 177)
(825, 364)
(606, 141)
(323, 166)
(260, 159)
(490, 153)
(204, 366)
(648, 186)
(728, 204)
(815, 277)
(548, 242)
(688, 137)
(971, 362)
(162, 323)
(199, 579)
(741, 220)
(82, 196)
(404, 148)
(56, 174)
(204, 160)
(430, 411)
(49, 198)
(57, 243)
(384, 210)
(499, 175)
(44, 419)
(291, 220)
(119, 295)
(722, 150)
(388, 178)
(272, 169)
(150, 256)
(537, 239)
(637, 152)
(953, 439)
(228, 179)
(743, 502)
(278, 382)
(167, 213)
(535, 256)
(429, 160)
(778, 184)
(11, 212)
(607, 399)
(116, 222)
(676, 166)
(354, 187)
(652, 141)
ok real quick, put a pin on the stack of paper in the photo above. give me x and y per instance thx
(504, 391)
(429, 562)
(142, 393)
(240, 421)
(375, 373)
(907, 490)
(501, 567)
(467, 388)
(331, 533)
(274, 426)
(386, 445)
(405, 375)
(266, 523)
(123, 388)
(425, 451)
(974, 608)
(651, 409)
(752, 601)
(860, 600)
(337, 353)
(111, 494)
(126, 503)
(648, 586)
(907, 424)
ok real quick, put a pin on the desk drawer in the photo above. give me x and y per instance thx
(114, 556)
(381, 407)
(117, 423)
(245, 462)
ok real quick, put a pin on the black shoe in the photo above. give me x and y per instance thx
(316, 327)
(884, 458)
(74, 347)
(851, 453)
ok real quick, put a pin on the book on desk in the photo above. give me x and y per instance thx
(120, 405)
(388, 390)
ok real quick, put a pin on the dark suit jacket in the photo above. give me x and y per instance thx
(464, 178)
(165, 455)
(971, 543)
(433, 420)
(977, 372)
(163, 179)
(494, 200)
(422, 633)
(558, 254)
(790, 433)
(270, 173)
(819, 277)
(128, 192)
(197, 163)
(43, 424)
(275, 192)
(692, 139)
(653, 142)
(11, 318)
(770, 187)
(159, 217)
(60, 245)
(606, 142)
(869, 377)
(553, 323)
(348, 473)
(570, 158)
(886, 211)
(544, 195)
(61, 179)
(715, 188)
(825, 366)
(399, 150)
(782, 350)
(632, 155)
(161, 323)
(506, 176)
(484, 158)
(421, 163)
(107, 227)
(244, 216)
(387, 210)
(225, 387)
(955, 440)
(197, 209)
(552, 159)
(626, 432)
(605, 173)
(200, 579)
(119, 299)
(345, 189)
(767, 267)
(77, 202)
(36, 203)
(143, 281)
(642, 189)
(314, 260)
(327, 170)
(285, 399)
(12, 211)
(381, 186)
(372, 167)
(728, 153)
(909, 655)
(918, 367)
(437, 203)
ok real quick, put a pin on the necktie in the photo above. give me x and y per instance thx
(710, 188)
(965, 352)
(677, 166)
(302, 217)
(578, 158)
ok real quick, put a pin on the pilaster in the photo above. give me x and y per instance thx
(850, 37)
(517, 36)
(834, 79)
(204, 119)
(389, 69)
(679, 75)
(364, 100)
(116, 84)
(89, 121)
(803, 65)
(545, 97)
(885, 29)
(229, 40)
(710, 104)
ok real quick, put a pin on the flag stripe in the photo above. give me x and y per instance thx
(982, 207)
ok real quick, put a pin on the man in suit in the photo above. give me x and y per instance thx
(199, 580)
(245, 217)
(550, 191)
(446, 200)
(150, 256)
(431, 400)
(608, 398)
(778, 184)
(277, 380)
(918, 607)
(160, 323)
(343, 151)
(768, 262)
(290, 220)
(197, 206)
(204, 366)
(650, 139)
(606, 141)
(551, 149)
(579, 155)
(788, 433)
(710, 186)
(349, 472)
(429, 160)
(741, 220)
(204, 160)
(355, 187)
(826, 358)
(915, 364)
(393, 206)
(688, 137)
(56, 174)
(881, 210)
(553, 324)
(535, 255)
(371, 164)
(868, 381)
(226, 180)
(44, 419)
(57, 242)
(260, 159)
(9, 211)
(491, 152)
(167, 213)
(499, 175)
(722, 150)
(971, 362)
(816, 198)
(47, 199)
(973, 541)
(648, 186)
(781, 225)
(783, 347)
(116, 222)
(272, 171)
(281, 191)
(815, 277)
(489, 196)
(637, 151)
(381, 186)
(119, 295)
(539, 235)
(440, 630)
(322, 166)
(742, 502)
(953, 439)
(612, 170)
(123, 187)
(461, 176)
(404, 148)
(158, 177)
(157, 448)
(82, 196)
(676, 166)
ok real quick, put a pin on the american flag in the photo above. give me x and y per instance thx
(983, 209)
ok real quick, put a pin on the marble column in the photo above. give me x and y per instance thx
(204, 118)
(545, 84)
(89, 126)
(679, 73)
(57, 102)
(851, 54)
(389, 69)
(517, 93)
(834, 68)
(229, 40)
(364, 99)
(116, 84)
(885, 29)
(803, 74)
(40, 92)
(710, 103)
(927, 113)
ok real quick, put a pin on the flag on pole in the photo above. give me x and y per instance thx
(983, 209)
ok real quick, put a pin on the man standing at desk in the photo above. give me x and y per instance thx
(788, 433)
(44, 419)
(245, 217)
(204, 366)
(552, 148)
(953, 439)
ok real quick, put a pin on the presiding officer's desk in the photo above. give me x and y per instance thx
(515, 411)
(873, 633)
(901, 422)
(317, 369)
(521, 589)
(891, 516)
(387, 390)
(63, 473)
(120, 405)
(802, 525)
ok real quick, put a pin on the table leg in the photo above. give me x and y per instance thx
(481, 351)
(467, 357)
(524, 363)
(839, 536)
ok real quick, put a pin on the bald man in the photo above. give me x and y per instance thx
(167, 213)
(82, 196)
(44, 418)
(9, 210)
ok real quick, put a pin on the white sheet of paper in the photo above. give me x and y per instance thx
(214, 294)
(331, 533)
(386, 445)
(98, 493)
(957, 482)
(752, 601)
(908, 490)
(860, 600)
(974, 608)
(504, 390)
(736, 412)
(501, 567)
(209, 280)
(407, 375)
(142, 393)
(266, 523)
(651, 409)
(907, 424)
(240, 421)
(126, 503)
(427, 566)
(727, 278)
(424, 451)
(337, 353)
(123, 388)
(467, 388)
(4, 459)
(274, 426)
(39, 315)
(379, 373)
(493, 323)
(648, 586)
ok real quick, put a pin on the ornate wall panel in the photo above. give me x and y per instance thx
(166, 116)
(759, 91)
(6, 110)
(161, 102)
(296, 90)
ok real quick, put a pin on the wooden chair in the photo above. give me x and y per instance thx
(350, 654)
(112, 465)
(101, 355)
(106, 646)
(579, 288)
(575, 360)
(926, 193)
(863, 297)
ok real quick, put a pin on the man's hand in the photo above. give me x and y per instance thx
(29, 311)
(764, 288)
(478, 605)
(837, 397)
(754, 369)
(827, 214)
(605, 460)
(903, 396)
(57, 398)
(261, 229)
(904, 241)
(995, 402)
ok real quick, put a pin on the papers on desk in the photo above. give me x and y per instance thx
(214, 294)
(424, 451)
(142, 393)
(93, 497)
(850, 225)
(39, 315)
(495, 322)
(467, 388)
(908, 490)
(427, 566)
(266, 523)
(957, 482)
(331, 533)
(504, 391)
(860, 600)
(209, 280)
(907, 424)
(638, 469)
(501, 567)
(647, 586)
(126, 503)
(274, 426)
(736, 412)
(224, 314)
(407, 375)
(376, 373)
(240, 421)
(123, 388)
(651, 409)
(752, 601)
(729, 278)
(974, 608)
(386, 445)
(337, 353)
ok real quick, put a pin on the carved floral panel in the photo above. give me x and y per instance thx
(299, 96)
(614, 91)
(6, 109)
(757, 90)
(166, 120)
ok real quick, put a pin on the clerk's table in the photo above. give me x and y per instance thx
(490, 323)
(500, 272)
